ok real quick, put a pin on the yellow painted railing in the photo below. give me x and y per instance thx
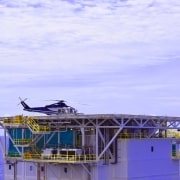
(32, 124)
(31, 156)
(132, 135)
(15, 120)
(173, 134)
(35, 127)
(70, 158)
(176, 155)
(61, 158)
(21, 141)
(145, 135)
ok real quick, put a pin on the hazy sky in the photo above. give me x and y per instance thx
(117, 56)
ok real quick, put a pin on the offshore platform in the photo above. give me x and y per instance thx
(91, 147)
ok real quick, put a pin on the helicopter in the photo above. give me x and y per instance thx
(60, 107)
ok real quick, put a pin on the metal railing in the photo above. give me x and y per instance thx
(31, 156)
(35, 127)
(133, 135)
(14, 154)
(175, 155)
(146, 135)
(61, 157)
(16, 120)
(21, 141)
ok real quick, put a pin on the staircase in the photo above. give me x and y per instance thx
(35, 127)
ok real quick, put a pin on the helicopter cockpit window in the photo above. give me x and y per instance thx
(71, 110)
(59, 111)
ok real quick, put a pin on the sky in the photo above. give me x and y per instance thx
(101, 56)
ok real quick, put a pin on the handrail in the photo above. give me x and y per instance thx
(21, 141)
(32, 124)
(173, 134)
(13, 154)
(35, 127)
(132, 135)
(176, 156)
(29, 155)
(61, 157)
(16, 120)
(146, 135)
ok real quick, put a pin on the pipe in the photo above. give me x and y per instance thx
(115, 147)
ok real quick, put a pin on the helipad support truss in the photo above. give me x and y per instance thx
(106, 127)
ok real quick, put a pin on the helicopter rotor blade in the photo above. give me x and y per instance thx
(21, 100)
(56, 100)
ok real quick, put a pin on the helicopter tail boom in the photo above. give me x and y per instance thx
(24, 105)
